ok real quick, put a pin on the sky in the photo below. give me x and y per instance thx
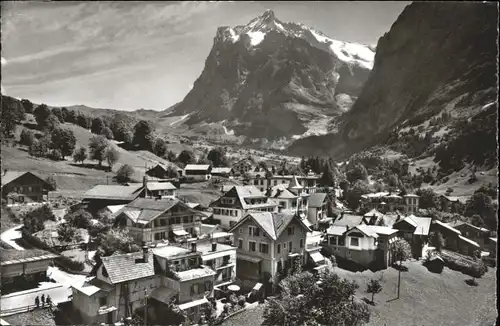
(133, 55)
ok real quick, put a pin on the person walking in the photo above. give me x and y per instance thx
(37, 302)
(43, 300)
(48, 300)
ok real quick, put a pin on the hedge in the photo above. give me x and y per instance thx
(467, 267)
(71, 264)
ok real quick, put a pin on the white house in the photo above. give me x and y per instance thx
(198, 171)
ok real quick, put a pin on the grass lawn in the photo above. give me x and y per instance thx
(78, 255)
(35, 317)
(425, 298)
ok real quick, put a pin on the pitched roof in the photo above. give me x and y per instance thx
(10, 176)
(374, 212)
(316, 199)
(122, 268)
(475, 244)
(336, 230)
(160, 186)
(115, 192)
(458, 224)
(381, 230)
(221, 170)
(422, 224)
(366, 230)
(294, 184)
(447, 226)
(281, 191)
(271, 223)
(197, 167)
(349, 220)
(147, 209)
(170, 251)
(248, 192)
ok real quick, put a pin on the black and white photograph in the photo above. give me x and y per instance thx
(254, 163)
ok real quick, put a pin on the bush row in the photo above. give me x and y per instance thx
(468, 267)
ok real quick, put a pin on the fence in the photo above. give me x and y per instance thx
(18, 310)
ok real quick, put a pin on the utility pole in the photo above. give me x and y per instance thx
(146, 307)
(399, 279)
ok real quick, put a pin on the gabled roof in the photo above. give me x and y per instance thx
(122, 268)
(373, 212)
(197, 167)
(317, 199)
(475, 244)
(114, 192)
(273, 224)
(10, 176)
(249, 192)
(281, 191)
(366, 230)
(422, 224)
(461, 224)
(336, 230)
(349, 220)
(294, 184)
(147, 209)
(160, 186)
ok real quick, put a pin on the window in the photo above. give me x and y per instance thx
(291, 230)
(253, 231)
(241, 230)
(278, 248)
(256, 182)
(341, 241)
(283, 204)
(103, 301)
(275, 182)
(264, 248)
(178, 220)
(240, 243)
(301, 243)
(289, 245)
(208, 286)
(355, 242)
(280, 267)
(251, 246)
(157, 236)
(333, 240)
(30, 189)
(284, 245)
(194, 289)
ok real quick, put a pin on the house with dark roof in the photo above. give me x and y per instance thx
(162, 171)
(164, 274)
(449, 204)
(23, 187)
(243, 166)
(155, 220)
(479, 235)
(366, 245)
(237, 202)
(415, 230)
(390, 202)
(159, 189)
(269, 243)
(24, 265)
(307, 182)
(290, 198)
(101, 196)
(197, 171)
(222, 172)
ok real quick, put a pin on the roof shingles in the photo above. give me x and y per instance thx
(122, 268)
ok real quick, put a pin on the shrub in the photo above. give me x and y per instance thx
(241, 300)
(69, 263)
(124, 173)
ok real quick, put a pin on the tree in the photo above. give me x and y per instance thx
(218, 157)
(437, 240)
(353, 194)
(78, 219)
(34, 220)
(116, 239)
(12, 113)
(186, 157)
(171, 156)
(97, 126)
(83, 121)
(27, 137)
(481, 204)
(143, 135)
(401, 250)
(477, 220)
(57, 112)
(97, 148)
(112, 156)
(124, 173)
(428, 198)
(305, 301)
(172, 172)
(159, 147)
(50, 123)
(70, 116)
(41, 113)
(120, 124)
(106, 132)
(52, 182)
(358, 172)
(28, 106)
(328, 178)
(63, 140)
(128, 137)
(373, 287)
(80, 155)
(66, 233)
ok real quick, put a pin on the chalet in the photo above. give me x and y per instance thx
(237, 202)
(159, 190)
(243, 166)
(390, 202)
(416, 231)
(290, 198)
(24, 265)
(318, 208)
(101, 196)
(197, 171)
(308, 182)
(164, 274)
(449, 204)
(222, 172)
(269, 243)
(155, 220)
(373, 217)
(162, 171)
(24, 188)
(366, 245)
(478, 234)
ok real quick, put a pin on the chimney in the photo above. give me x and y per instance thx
(144, 252)
(214, 246)
(193, 246)
(341, 215)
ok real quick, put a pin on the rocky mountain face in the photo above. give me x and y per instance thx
(437, 57)
(273, 79)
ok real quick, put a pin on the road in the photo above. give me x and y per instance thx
(11, 235)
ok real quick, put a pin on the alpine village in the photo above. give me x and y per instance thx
(301, 181)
